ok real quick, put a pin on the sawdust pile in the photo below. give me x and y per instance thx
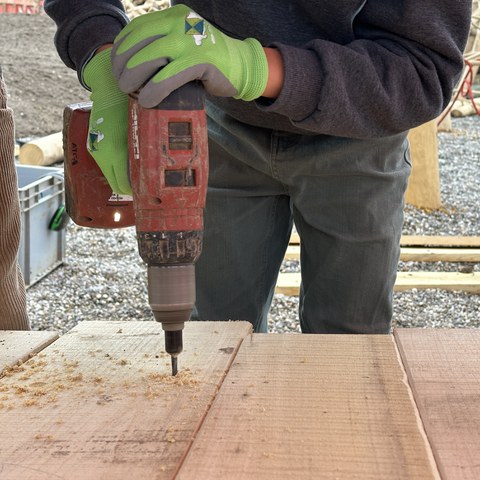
(42, 380)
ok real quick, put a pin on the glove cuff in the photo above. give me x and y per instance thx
(97, 75)
(256, 71)
(98, 70)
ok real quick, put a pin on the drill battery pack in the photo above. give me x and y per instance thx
(90, 201)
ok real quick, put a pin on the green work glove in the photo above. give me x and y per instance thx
(160, 51)
(108, 128)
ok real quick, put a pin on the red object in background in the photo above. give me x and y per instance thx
(31, 7)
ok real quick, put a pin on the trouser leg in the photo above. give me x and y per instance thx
(348, 209)
(247, 228)
(13, 312)
(347, 198)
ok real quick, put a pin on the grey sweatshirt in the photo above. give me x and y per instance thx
(353, 68)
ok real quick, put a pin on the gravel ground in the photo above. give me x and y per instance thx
(103, 277)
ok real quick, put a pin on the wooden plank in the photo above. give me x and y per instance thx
(443, 369)
(18, 346)
(423, 188)
(411, 254)
(312, 407)
(424, 241)
(289, 283)
(453, 281)
(440, 241)
(100, 402)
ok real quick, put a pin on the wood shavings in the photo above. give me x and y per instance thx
(158, 383)
(12, 370)
(40, 381)
(170, 437)
(20, 389)
(75, 378)
(41, 436)
(183, 378)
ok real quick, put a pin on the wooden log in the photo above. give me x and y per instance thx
(445, 124)
(312, 407)
(424, 185)
(42, 151)
(443, 367)
(464, 108)
(100, 402)
(289, 283)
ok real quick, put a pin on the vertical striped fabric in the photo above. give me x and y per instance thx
(13, 312)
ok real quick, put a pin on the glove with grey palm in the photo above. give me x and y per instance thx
(108, 126)
(158, 52)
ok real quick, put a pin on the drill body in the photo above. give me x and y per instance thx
(168, 164)
(168, 158)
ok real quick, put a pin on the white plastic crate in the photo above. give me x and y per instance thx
(41, 195)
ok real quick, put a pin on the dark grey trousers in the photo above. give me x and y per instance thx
(346, 198)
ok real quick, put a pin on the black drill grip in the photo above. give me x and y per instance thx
(190, 96)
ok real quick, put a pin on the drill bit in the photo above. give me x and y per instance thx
(174, 365)
(174, 346)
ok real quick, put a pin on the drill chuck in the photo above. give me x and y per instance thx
(171, 294)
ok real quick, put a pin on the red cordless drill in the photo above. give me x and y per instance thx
(168, 160)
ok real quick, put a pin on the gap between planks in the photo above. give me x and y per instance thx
(442, 366)
(312, 406)
(19, 346)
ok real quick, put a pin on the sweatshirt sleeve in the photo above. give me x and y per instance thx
(398, 72)
(83, 26)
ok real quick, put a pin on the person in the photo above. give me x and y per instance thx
(309, 106)
(13, 308)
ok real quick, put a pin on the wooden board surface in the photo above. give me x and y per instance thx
(440, 241)
(100, 403)
(312, 407)
(443, 367)
(454, 281)
(423, 190)
(18, 346)
(289, 283)
(417, 254)
(425, 241)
